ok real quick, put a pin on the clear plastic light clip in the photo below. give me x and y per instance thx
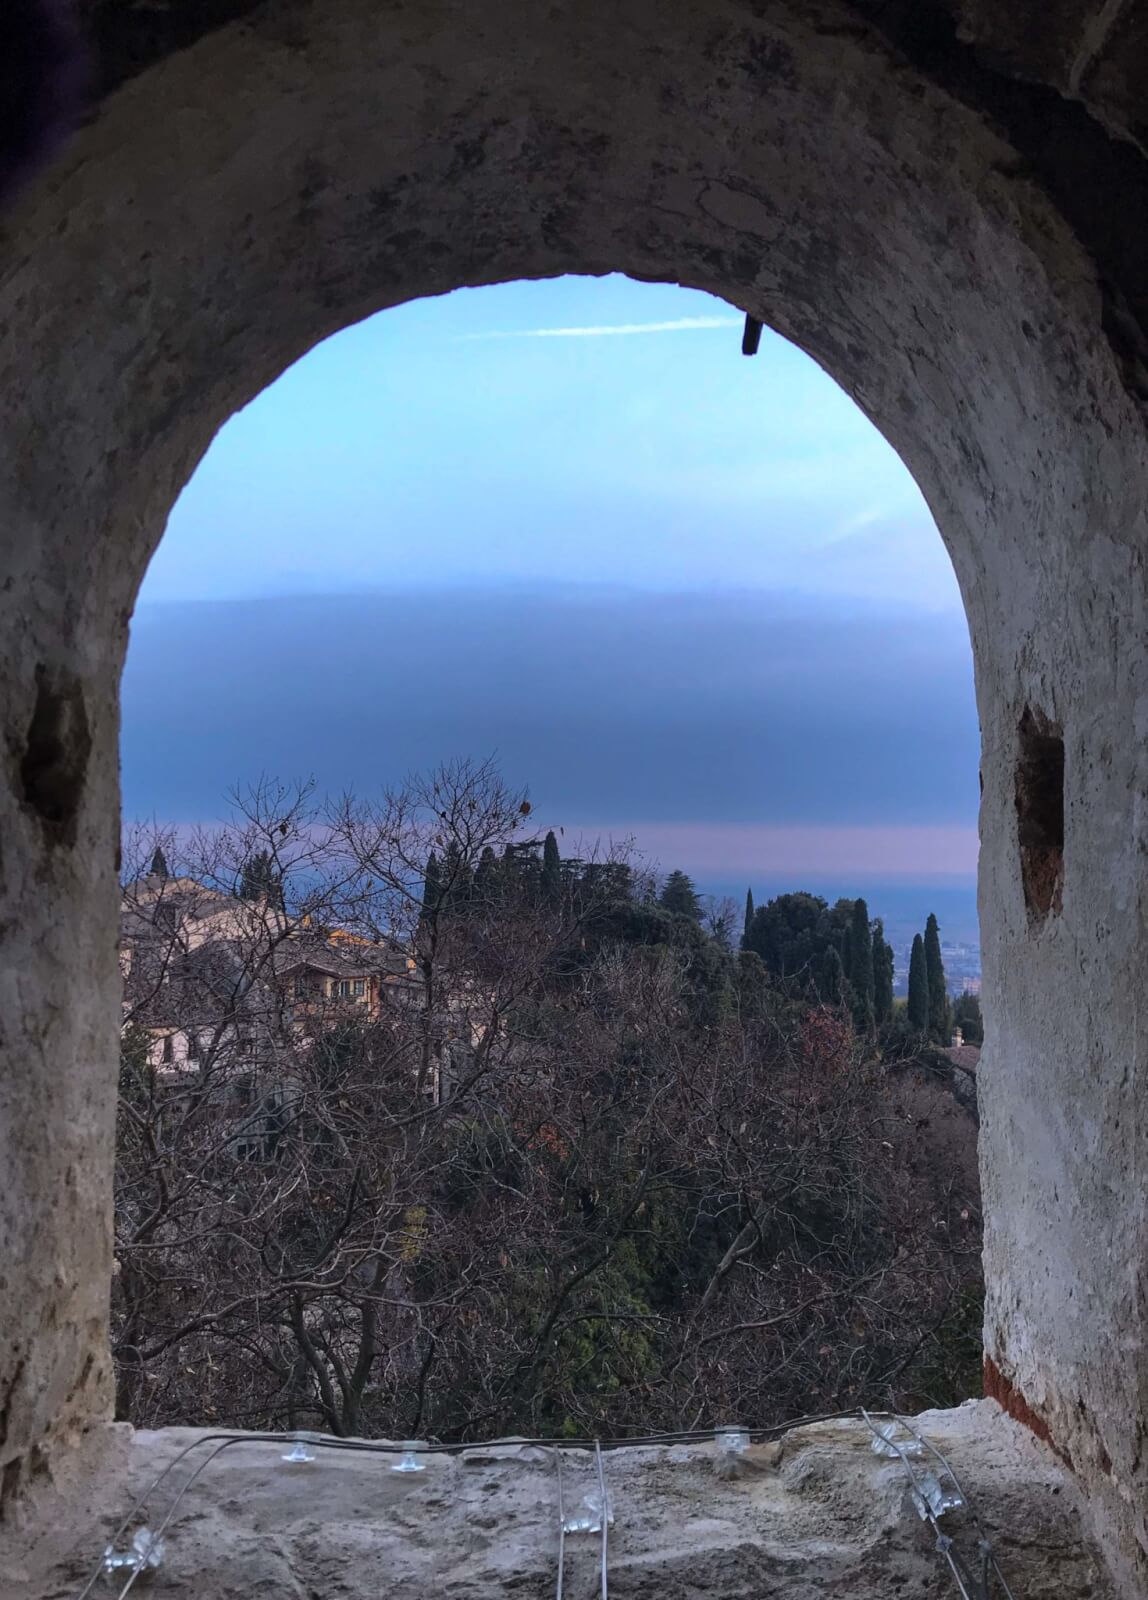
(588, 1516)
(932, 1498)
(301, 1449)
(409, 1460)
(144, 1555)
(882, 1442)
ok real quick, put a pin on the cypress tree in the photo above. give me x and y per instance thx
(748, 919)
(158, 868)
(918, 986)
(455, 875)
(432, 885)
(551, 880)
(487, 878)
(522, 872)
(861, 973)
(882, 976)
(938, 996)
(831, 979)
(680, 897)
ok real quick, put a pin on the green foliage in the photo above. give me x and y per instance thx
(862, 976)
(794, 935)
(938, 994)
(259, 879)
(882, 976)
(861, 952)
(967, 1017)
(663, 1144)
(790, 934)
(831, 980)
(918, 1009)
(487, 878)
(680, 897)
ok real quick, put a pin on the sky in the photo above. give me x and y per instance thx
(685, 596)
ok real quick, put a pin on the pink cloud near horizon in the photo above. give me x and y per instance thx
(712, 848)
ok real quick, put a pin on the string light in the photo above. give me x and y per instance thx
(935, 1492)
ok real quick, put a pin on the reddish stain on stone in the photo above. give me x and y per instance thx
(1010, 1399)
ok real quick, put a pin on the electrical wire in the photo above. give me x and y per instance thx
(141, 1501)
(561, 1524)
(226, 1444)
(228, 1439)
(970, 1586)
(387, 1447)
(604, 1513)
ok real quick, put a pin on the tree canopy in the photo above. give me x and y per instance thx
(882, 976)
(939, 1025)
(919, 1009)
(679, 896)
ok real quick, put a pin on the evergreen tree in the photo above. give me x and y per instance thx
(522, 871)
(604, 882)
(680, 897)
(840, 932)
(831, 979)
(748, 919)
(918, 986)
(861, 973)
(790, 935)
(487, 878)
(938, 996)
(432, 885)
(967, 1017)
(882, 976)
(258, 880)
(455, 875)
(158, 868)
(551, 880)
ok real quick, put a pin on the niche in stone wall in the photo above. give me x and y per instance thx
(1040, 813)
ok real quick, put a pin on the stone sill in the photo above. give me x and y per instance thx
(822, 1515)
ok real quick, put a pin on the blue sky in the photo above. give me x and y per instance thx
(682, 593)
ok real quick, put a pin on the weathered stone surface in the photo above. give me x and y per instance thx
(942, 217)
(832, 1519)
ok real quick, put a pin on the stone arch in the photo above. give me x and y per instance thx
(932, 231)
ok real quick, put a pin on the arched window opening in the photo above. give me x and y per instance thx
(566, 1086)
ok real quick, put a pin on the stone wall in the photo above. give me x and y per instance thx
(815, 1515)
(958, 240)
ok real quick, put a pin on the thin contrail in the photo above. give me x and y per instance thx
(612, 329)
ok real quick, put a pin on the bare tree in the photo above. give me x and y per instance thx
(559, 1162)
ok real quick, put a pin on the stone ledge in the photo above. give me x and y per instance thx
(822, 1516)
